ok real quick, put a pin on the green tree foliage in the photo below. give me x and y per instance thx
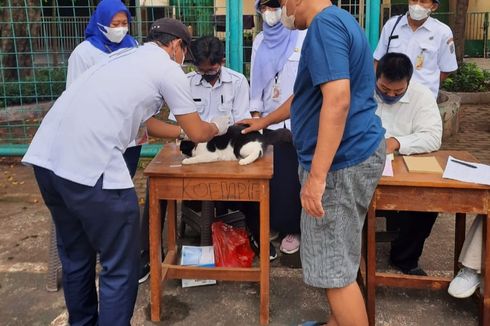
(43, 85)
(468, 78)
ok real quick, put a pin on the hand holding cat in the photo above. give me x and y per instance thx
(222, 122)
(311, 196)
(255, 124)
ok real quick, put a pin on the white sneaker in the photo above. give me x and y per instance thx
(290, 243)
(464, 284)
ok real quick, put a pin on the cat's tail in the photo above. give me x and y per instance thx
(282, 135)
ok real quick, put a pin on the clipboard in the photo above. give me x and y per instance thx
(422, 164)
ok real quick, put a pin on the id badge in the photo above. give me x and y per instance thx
(419, 61)
(142, 136)
(276, 92)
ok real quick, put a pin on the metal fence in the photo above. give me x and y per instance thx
(477, 34)
(37, 37)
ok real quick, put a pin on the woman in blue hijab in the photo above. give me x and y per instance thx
(275, 58)
(106, 32)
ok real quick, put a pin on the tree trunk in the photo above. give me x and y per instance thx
(459, 29)
(19, 29)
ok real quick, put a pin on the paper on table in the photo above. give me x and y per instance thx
(422, 164)
(460, 172)
(388, 170)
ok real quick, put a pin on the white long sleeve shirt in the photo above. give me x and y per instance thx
(414, 121)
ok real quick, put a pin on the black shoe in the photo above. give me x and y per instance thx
(256, 248)
(144, 273)
(410, 271)
(414, 271)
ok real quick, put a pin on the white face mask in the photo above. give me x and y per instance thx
(114, 34)
(287, 21)
(417, 12)
(271, 18)
(175, 56)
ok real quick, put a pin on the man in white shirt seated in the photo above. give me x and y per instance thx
(410, 115)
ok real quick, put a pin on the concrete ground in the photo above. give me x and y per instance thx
(24, 239)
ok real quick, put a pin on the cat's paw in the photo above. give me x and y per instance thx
(188, 161)
(244, 162)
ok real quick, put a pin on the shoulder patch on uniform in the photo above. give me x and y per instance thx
(451, 48)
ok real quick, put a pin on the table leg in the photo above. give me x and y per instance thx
(264, 259)
(155, 252)
(459, 235)
(171, 226)
(485, 276)
(371, 262)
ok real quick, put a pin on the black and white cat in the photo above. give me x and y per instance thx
(232, 146)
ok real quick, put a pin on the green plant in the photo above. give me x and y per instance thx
(45, 84)
(468, 78)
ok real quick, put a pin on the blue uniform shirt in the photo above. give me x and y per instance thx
(336, 48)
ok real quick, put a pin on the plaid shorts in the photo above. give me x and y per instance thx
(331, 245)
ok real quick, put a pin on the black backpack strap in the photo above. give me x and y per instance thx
(392, 31)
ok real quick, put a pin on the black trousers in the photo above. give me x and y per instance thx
(91, 220)
(131, 157)
(413, 228)
(285, 203)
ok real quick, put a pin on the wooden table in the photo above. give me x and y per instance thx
(227, 181)
(426, 192)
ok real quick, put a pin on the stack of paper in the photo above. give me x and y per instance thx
(422, 164)
(388, 170)
(467, 171)
(197, 256)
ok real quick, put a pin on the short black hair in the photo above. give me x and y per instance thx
(394, 67)
(163, 38)
(207, 48)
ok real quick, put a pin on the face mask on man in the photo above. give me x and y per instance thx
(272, 17)
(174, 57)
(211, 78)
(114, 34)
(287, 21)
(389, 99)
(417, 12)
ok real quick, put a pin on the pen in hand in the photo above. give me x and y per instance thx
(464, 163)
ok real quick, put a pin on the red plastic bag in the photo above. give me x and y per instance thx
(231, 246)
